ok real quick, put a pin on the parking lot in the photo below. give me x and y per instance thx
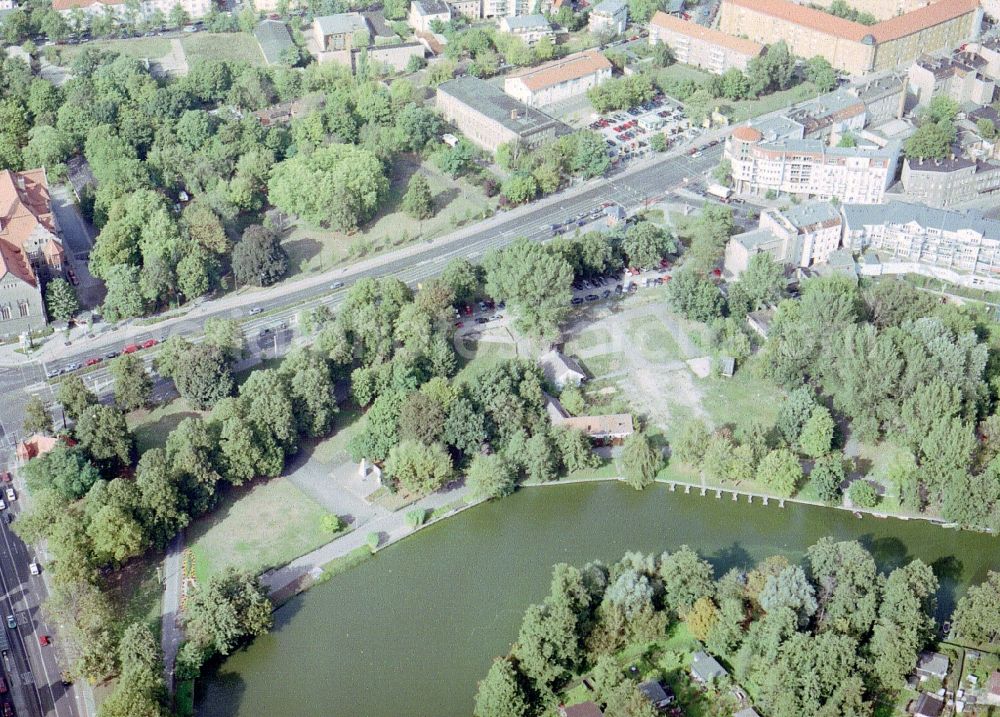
(627, 133)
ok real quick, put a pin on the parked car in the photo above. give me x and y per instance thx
(71, 366)
(592, 297)
(337, 285)
(3, 686)
(53, 372)
(576, 300)
(2, 505)
(482, 320)
(459, 324)
(92, 361)
(255, 310)
(130, 348)
(11, 622)
(44, 640)
(11, 495)
(149, 343)
(34, 568)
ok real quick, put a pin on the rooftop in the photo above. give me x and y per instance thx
(344, 23)
(490, 101)
(891, 29)
(25, 208)
(609, 425)
(706, 668)
(584, 709)
(273, 38)
(809, 214)
(70, 4)
(958, 64)
(756, 239)
(526, 22)
(569, 68)
(431, 7)
(609, 7)
(900, 214)
(706, 34)
(928, 706)
(953, 164)
(816, 146)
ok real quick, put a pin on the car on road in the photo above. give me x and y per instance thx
(130, 349)
(53, 372)
(71, 366)
(576, 300)
(92, 361)
(11, 622)
(149, 343)
(337, 285)
(111, 354)
(459, 324)
(482, 320)
(44, 640)
(592, 297)
(2, 504)
(3, 686)
(496, 317)
(11, 495)
(34, 568)
(255, 310)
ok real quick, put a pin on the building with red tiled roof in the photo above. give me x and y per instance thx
(848, 45)
(38, 445)
(147, 8)
(30, 249)
(558, 80)
(701, 46)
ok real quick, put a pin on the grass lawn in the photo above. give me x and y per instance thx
(334, 449)
(137, 47)
(457, 202)
(346, 562)
(152, 426)
(135, 591)
(587, 339)
(748, 109)
(678, 71)
(230, 46)
(603, 365)
(730, 400)
(480, 356)
(653, 340)
(257, 527)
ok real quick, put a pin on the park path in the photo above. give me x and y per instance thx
(390, 528)
(171, 632)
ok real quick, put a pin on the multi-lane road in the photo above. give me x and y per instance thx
(33, 666)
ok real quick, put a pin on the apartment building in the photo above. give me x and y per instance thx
(958, 77)
(851, 46)
(808, 168)
(802, 236)
(881, 9)
(897, 238)
(608, 17)
(489, 118)
(424, 12)
(558, 80)
(31, 249)
(145, 8)
(948, 182)
(701, 46)
(530, 28)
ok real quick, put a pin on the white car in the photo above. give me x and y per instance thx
(2, 505)
(33, 568)
(11, 495)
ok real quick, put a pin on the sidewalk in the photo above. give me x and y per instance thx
(391, 528)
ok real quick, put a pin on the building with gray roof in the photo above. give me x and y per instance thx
(488, 117)
(948, 182)
(274, 39)
(608, 16)
(706, 669)
(802, 236)
(341, 32)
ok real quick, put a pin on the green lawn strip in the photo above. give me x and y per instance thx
(445, 509)
(257, 527)
(141, 48)
(229, 46)
(184, 699)
(477, 357)
(136, 592)
(345, 562)
(586, 339)
(603, 365)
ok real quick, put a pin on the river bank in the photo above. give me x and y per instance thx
(417, 625)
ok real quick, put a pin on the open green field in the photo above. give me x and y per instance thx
(480, 356)
(456, 202)
(151, 427)
(748, 109)
(255, 528)
(135, 591)
(141, 48)
(230, 46)
(679, 71)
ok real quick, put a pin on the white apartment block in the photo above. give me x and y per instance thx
(559, 80)
(802, 236)
(894, 238)
(424, 12)
(609, 16)
(808, 168)
(530, 28)
(194, 8)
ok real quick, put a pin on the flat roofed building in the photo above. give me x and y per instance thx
(959, 77)
(530, 28)
(701, 46)
(803, 236)
(849, 45)
(608, 16)
(809, 168)
(344, 31)
(489, 118)
(558, 80)
(948, 182)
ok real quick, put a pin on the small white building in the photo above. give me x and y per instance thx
(560, 370)
(609, 16)
(530, 28)
(424, 12)
(559, 80)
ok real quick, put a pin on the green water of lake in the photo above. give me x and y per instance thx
(411, 631)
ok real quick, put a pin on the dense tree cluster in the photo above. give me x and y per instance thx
(545, 169)
(830, 637)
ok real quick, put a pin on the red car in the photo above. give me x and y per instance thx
(459, 324)
(3, 686)
(468, 310)
(92, 361)
(43, 640)
(130, 349)
(664, 264)
(716, 273)
(7, 477)
(149, 344)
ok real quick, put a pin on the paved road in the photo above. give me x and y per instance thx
(171, 635)
(33, 670)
